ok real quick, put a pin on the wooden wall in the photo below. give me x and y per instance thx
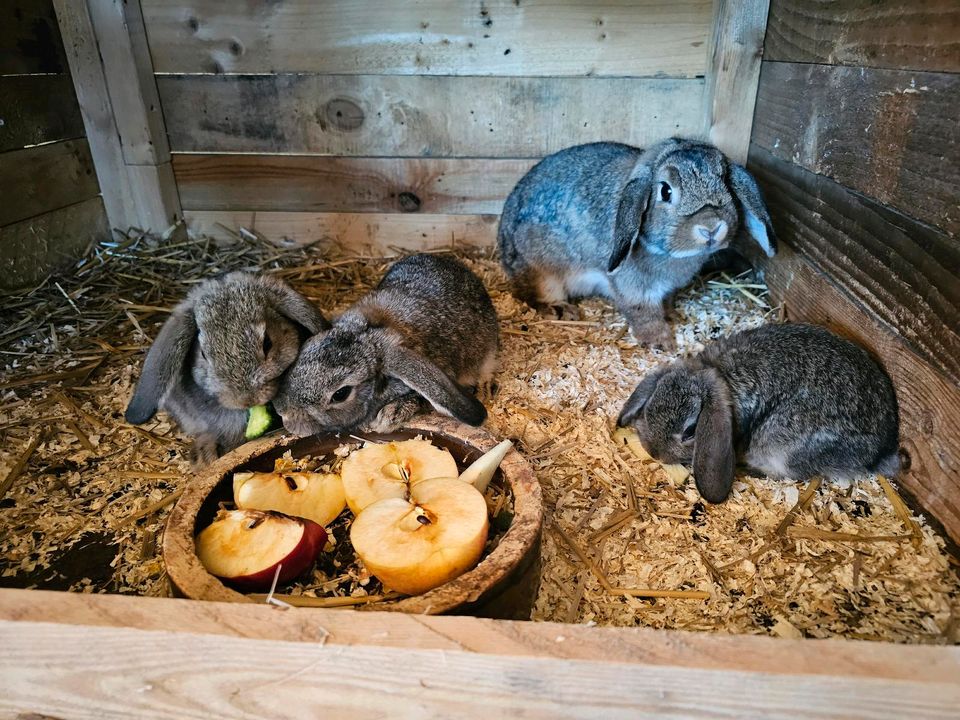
(407, 125)
(856, 140)
(50, 205)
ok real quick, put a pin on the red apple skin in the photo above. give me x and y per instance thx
(297, 560)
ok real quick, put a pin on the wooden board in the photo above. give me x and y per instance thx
(920, 35)
(903, 271)
(30, 38)
(412, 116)
(337, 184)
(434, 37)
(889, 134)
(380, 233)
(44, 178)
(37, 109)
(31, 249)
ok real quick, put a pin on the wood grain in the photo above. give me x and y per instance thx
(411, 116)
(378, 232)
(920, 35)
(892, 135)
(904, 272)
(337, 184)
(736, 46)
(31, 249)
(431, 37)
(37, 109)
(44, 178)
(30, 39)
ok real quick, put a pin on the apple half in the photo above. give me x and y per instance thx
(314, 496)
(244, 547)
(416, 544)
(386, 470)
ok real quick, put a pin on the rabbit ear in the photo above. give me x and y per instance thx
(755, 215)
(297, 308)
(165, 361)
(630, 217)
(426, 379)
(635, 403)
(713, 456)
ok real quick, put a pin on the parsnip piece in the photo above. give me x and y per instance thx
(482, 470)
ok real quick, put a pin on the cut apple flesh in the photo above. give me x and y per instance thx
(385, 470)
(244, 547)
(315, 496)
(418, 544)
(628, 437)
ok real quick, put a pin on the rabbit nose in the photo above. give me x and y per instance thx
(712, 237)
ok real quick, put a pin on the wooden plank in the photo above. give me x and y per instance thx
(36, 109)
(431, 37)
(155, 195)
(380, 233)
(425, 116)
(337, 184)
(892, 135)
(31, 249)
(335, 628)
(733, 70)
(921, 35)
(929, 403)
(903, 271)
(56, 670)
(30, 38)
(44, 178)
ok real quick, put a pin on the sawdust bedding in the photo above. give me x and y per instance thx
(83, 495)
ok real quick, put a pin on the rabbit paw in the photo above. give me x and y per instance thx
(394, 414)
(203, 451)
(656, 334)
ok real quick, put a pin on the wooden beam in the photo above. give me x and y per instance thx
(37, 109)
(421, 116)
(919, 35)
(889, 134)
(733, 70)
(432, 37)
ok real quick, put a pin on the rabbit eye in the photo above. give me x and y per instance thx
(666, 192)
(267, 344)
(342, 394)
(688, 432)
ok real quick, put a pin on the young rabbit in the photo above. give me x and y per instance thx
(628, 224)
(222, 351)
(428, 329)
(791, 400)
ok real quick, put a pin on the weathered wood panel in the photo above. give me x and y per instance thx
(422, 116)
(31, 249)
(929, 402)
(59, 671)
(44, 178)
(892, 135)
(902, 270)
(29, 38)
(919, 35)
(335, 184)
(431, 37)
(37, 109)
(381, 233)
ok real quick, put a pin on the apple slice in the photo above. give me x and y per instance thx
(418, 544)
(314, 496)
(384, 470)
(244, 547)
(628, 437)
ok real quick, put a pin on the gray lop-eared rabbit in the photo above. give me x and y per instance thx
(628, 224)
(223, 350)
(426, 331)
(790, 400)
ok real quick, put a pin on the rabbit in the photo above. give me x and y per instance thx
(633, 225)
(223, 350)
(426, 331)
(790, 400)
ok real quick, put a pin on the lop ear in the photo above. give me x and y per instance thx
(755, 215)
(630, 218)
(713, 456)
(165, 362)
(635, 403)
(426, 379)
(296, 307)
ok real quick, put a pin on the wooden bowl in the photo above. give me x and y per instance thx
(503, 585)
